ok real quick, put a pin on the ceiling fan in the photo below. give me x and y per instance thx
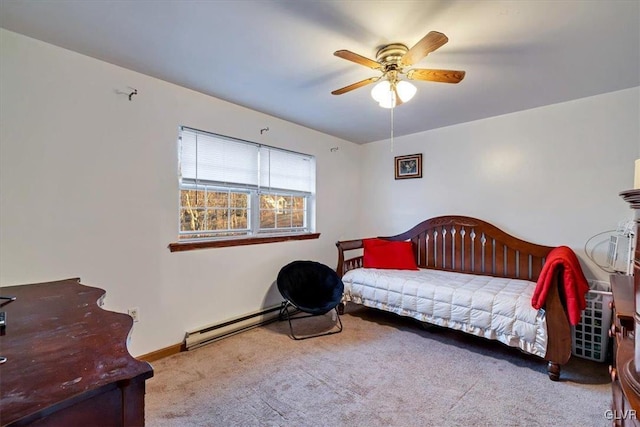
(394, 60)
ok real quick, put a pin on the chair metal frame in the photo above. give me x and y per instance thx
(286, 315)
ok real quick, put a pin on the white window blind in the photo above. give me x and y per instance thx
(286, 170)
(223, 160)
(217, 159)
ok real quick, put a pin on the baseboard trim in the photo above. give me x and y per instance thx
(210, 333)
(162, 353)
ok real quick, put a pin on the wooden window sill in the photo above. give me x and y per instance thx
(191, 246)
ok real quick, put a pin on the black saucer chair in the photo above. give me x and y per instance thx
(311, 288)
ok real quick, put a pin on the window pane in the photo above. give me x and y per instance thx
(238, 219)
(284, 203)
(297, 219)
(267, 219)
(239, 200)
(217, 199)
(192, 198)
(267, 201)
(191, 219)
(284, 219)
(298, 203)
(299, 211)
(217, 219)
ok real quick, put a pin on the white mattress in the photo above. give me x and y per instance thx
(490, 307)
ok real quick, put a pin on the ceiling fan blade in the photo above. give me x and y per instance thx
(355, 86)
(428, 44)
(358, 59)
(442, 76)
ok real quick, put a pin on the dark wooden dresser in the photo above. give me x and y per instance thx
(67, 362)
(625, 331)
(624, 378)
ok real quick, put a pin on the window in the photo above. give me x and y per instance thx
(230, 188)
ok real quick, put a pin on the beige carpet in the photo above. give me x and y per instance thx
(382, 370)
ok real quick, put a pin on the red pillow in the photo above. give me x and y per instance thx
(380, 253)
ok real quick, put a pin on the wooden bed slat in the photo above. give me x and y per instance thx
(511, 265)
(536, 266)
(487, 255)
(456, 251)
(462, 244)
(422, 249)
(447, 244)
(523, 266)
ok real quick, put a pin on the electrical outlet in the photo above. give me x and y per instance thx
(134, 313)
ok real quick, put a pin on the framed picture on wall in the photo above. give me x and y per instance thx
(409, 166)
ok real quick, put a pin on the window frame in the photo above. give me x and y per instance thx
(254, 233)
(206, 188)
(295, 230)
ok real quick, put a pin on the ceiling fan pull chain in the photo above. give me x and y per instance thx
(392, 108)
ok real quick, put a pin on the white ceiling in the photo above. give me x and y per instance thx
(277, 56)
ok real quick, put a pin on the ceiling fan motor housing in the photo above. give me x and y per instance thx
(390, 55)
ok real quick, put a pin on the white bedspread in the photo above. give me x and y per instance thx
(490, 307)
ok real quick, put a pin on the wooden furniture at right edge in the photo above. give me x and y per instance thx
(625, 331)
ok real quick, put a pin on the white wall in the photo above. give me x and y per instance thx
(88, 188)
(550, 175)
(88, 185)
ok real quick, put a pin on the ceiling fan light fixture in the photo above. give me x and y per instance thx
(405, 90)
(385, 93)
(380, 92)
(390, 102)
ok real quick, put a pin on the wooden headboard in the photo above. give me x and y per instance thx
(463, 244)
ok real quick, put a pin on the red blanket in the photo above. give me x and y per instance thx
(575, 284)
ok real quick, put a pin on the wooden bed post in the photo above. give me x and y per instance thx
(345, 265)
(559, 343)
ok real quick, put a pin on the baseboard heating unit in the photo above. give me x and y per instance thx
(207, 334)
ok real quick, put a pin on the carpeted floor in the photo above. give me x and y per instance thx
(382, 370)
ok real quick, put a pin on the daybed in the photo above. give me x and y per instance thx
(470, 276)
